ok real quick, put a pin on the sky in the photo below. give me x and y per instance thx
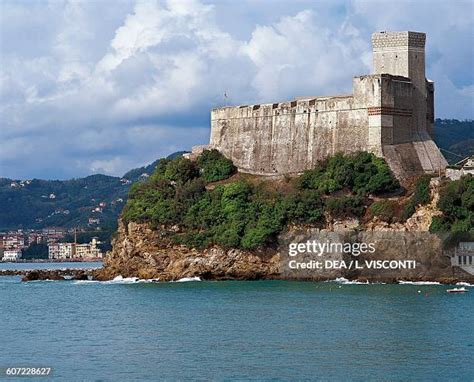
(106, 86)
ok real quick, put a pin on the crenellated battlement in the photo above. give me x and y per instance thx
(382, 40)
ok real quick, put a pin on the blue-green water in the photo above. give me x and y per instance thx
(48, 265)
(269, 330)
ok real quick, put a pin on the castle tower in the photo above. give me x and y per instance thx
(390, 114)
(401, 54)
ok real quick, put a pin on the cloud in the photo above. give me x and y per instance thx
(298, 56)
(450, 52)
(107, 86)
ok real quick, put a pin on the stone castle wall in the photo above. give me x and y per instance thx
(390, 113)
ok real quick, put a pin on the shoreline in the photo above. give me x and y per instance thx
(91, 274)
(45, 261)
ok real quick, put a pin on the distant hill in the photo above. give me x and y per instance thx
(90, 202)
(135, 174)
(455, 137)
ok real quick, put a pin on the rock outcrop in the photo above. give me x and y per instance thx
(140, 251)
(148, 253)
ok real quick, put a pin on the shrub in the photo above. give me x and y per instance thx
(345, 206)
(408, 210)
(385, 210)
(421, 196)
(362, 173)
(457, 204)
(214, 166)
(305, 206)
(178, 170)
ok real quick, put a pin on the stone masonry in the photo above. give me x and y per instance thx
(390, 113)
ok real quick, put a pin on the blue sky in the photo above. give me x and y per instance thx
(106, 86)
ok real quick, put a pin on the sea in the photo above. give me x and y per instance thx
(137, 330)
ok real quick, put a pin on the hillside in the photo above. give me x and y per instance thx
(93, 201)
(455, 137)
(200, 219)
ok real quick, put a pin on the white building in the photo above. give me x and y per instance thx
(89, 250)
(464, 256)
(53, 251)
(11, 255)
(67, 250)
(62, 251)
(464, 167)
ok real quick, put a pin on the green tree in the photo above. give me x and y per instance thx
(214, 166)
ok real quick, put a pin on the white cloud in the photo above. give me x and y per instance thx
(296, 56)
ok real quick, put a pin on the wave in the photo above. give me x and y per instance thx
(187, 279)
(132, 280)
(465, 284)
(344, 281)
(403, 282)
(118, 280)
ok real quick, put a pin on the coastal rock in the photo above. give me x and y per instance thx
(81, 276)
(139, 251)
(42, 275)
(148, 253)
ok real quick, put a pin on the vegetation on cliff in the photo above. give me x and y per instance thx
(399, 211)
(214, 166)
(361, 173)
(245, 215)
(457, 204)
(421, 197)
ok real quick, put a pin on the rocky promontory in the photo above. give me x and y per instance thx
(201, 219)
(140, 251)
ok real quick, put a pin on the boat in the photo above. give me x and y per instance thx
(457, 290)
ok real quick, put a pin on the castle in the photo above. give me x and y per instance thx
(390, 113)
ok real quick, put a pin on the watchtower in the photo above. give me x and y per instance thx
(401, 54)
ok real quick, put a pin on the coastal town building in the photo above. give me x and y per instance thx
(390, 113)
(13, 240)
(464, 256)
(54, 251)
(64, 251)
(11, 255)
(88, 251)
(464, 167)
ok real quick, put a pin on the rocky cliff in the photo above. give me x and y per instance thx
(140, 251)
(148, 253)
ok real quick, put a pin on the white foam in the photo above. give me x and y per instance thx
(187, 279)
(465, 284)
(118, 280)
(403, 282)
(344, 281)
(87, 282)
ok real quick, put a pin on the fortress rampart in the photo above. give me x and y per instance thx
(390, 113)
